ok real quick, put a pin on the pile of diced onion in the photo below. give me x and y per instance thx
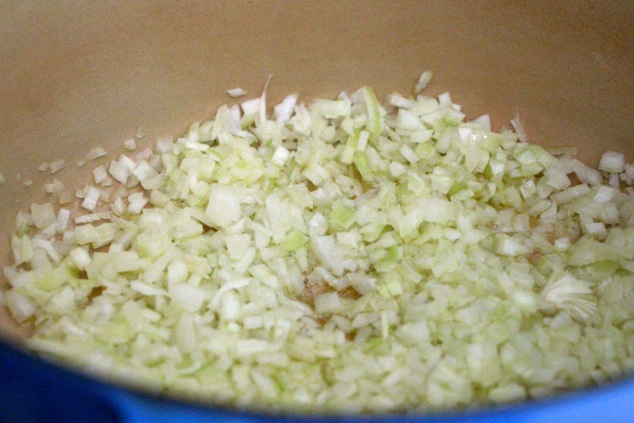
(341, 256)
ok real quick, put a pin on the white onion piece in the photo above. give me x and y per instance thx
(236, 92)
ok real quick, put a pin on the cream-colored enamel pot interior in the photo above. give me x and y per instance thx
(76, 75)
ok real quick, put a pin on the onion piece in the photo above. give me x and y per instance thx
(236, 92)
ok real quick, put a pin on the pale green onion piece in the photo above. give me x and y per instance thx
(423, 81)
(57, 165)
(129, 144)
(43, 215)
(375, 121)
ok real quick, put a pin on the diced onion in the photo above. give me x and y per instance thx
(57, 165)
(612, 162)
(236, 92)
(344, 256)
(129, 144)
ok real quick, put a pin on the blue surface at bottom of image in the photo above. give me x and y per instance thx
(32, 390)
